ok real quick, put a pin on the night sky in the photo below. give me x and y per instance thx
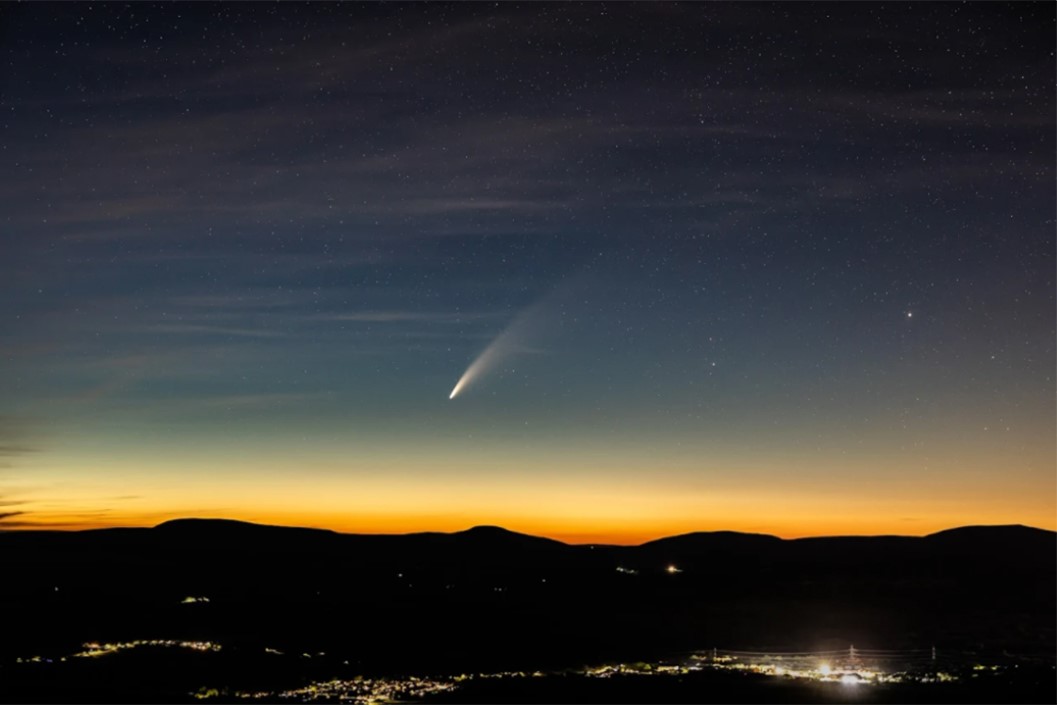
(785, 268)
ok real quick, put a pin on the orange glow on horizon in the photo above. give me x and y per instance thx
(613, 533)
(579, 497)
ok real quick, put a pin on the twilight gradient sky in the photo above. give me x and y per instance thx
(780, 268)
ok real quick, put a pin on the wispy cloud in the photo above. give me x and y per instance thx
(11, 449)
(14, 443)
(400, 316)
(473, 204)
(14, 435)
(246, 401)
(215, 330)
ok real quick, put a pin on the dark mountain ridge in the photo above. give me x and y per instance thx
(212, 527)
(487, 596)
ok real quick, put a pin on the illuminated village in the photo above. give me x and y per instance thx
(845, 668)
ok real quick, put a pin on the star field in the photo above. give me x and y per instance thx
(778, 267)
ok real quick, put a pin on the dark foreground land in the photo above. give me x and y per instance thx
(710, 687)
(183, 678)
(216, 608)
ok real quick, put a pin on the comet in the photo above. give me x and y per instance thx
(501, 346)
(482, 363)
(528, 325)
(533, 323)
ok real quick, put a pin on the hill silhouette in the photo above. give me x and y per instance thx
(488, 597)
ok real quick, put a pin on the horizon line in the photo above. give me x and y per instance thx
(25, 528)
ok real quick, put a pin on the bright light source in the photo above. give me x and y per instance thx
(824, 669)
(672, 569)
(849, 679)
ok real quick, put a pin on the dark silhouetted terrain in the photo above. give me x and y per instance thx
(490, 599)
